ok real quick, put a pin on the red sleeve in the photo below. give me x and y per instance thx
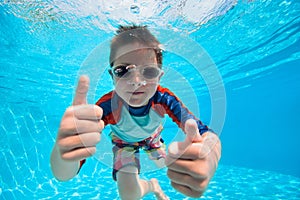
(111, 106)
(81, 164)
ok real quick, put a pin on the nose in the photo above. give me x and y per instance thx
(135, 76)
(136, 79)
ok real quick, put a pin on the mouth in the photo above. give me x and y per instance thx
(136, 93)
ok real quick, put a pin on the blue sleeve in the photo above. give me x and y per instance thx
(176, 110)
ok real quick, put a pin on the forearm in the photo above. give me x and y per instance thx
(62, 170)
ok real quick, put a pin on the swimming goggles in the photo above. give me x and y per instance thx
(127, 71)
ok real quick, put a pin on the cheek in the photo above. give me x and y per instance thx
(152, 87)
(120, 86)
(119, 83)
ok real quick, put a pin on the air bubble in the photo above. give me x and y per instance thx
(134, 9)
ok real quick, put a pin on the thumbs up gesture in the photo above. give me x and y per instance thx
(192, 163)
(80, 127)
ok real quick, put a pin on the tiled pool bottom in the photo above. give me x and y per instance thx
(228, 183)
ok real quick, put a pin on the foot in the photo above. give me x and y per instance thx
(160, 195)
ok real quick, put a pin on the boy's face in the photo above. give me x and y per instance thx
(136, 90)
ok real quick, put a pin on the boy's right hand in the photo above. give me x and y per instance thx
(81, 126)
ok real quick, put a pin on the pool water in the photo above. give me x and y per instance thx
(254, 45)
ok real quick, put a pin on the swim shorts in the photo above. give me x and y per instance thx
(128, 153)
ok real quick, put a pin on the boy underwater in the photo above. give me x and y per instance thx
(135, 110)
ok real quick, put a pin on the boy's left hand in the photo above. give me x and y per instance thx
(192, 163)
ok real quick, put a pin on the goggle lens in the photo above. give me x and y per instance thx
(125, 71)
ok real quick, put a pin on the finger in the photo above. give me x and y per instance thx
(186, 190)
(186, 180)
(86, 111)
(192, 136)
(192, 132)
(201, 150)
(74, 126)
(79, 154)
(188, 167)
(193, 152)
(79, 141)
(81, 91)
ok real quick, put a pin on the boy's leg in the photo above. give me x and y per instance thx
(126, 172)
(131, 187)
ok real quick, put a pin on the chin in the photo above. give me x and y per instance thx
(135, 103)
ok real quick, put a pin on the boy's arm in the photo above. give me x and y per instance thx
(177, 111)
(192, 163)
(78, 134)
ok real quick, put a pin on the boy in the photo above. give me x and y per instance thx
(135, 109)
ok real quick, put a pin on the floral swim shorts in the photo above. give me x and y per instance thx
(128, 153)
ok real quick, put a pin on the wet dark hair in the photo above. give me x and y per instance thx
(135, 34)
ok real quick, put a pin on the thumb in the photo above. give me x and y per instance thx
(81, 90)
(192, 132)
(192, 136)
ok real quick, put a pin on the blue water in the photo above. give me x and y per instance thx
(255, 46)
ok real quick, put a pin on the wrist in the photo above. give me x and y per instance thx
(63, 170)
(212, 140)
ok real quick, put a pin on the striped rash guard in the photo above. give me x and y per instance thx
(134, 124)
